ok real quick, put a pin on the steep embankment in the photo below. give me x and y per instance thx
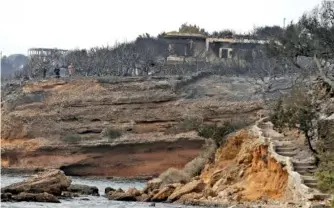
(243, 173)
(71, 124)
(243, 170)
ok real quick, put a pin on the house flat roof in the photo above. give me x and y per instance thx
(235, 40)
(209, 39)
(46, 49)
(184, 35)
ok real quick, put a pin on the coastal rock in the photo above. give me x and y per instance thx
(190, 198)
(52, 182)
(152, 184)
(163, 194)
(83, 189)
(5, 197)
(67, 194)
(143, 198)
(231, 193)
(209, 192)
(84, 199)
(221, 184)
(121, 196)
(120, 190)
(193, 186)
(108, 189)
(133, 192)
(152, 194)
(36, 197)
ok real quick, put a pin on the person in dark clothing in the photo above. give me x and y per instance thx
(57, 71)
(44, 72)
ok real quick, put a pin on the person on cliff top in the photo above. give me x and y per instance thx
(71, 70)
(44, 72)
(57, 71)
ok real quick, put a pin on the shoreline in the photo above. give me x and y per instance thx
(32, 171)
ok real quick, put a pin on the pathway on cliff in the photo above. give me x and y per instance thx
(303, 161)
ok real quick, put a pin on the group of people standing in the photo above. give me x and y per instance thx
(70, 69)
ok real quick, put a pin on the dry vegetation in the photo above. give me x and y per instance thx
(215, 136)
(173, 175)
(72, 138)
(112, 133)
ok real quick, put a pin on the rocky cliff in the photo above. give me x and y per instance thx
(243, 173)
(116, 126)
(246, 172)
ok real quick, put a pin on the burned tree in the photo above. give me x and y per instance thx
(271, 76)
(308, 43)
(312, 37)
(139, 57)
(42, 60)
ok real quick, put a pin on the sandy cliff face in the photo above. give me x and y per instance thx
(39, 115)
(244, 171)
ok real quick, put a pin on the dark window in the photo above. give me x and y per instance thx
(224, 53)
(230, 54)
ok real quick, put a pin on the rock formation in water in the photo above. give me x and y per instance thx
(46, 186)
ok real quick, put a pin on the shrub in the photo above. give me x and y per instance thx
(277, 114)
(173, 175)
(293, 109)
(112, 133)
(210, 150)
(325, 181)
(189, 123)
(296, 110)
(217, 133)
(195, 166)
(325, 172)
(72, 138)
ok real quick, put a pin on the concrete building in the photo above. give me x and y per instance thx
(230, 47)
(184, 46)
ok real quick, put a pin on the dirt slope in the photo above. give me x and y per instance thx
(244, 171)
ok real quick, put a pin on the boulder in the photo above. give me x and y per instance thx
(83, 189)
(190, 198)
(120, 196)
(84, 199)
(36, 197)
(231, 193)
(67, 194)
(163, 194)
(152, 184)
(222, 183)
(152, 193)
(193, 186)
(133, 192)
(120, 190)
(108, 189)
(143, 198)
(209, 192)
(5, 197)
(52, 182)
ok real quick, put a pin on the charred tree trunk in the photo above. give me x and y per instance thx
(308, 141)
